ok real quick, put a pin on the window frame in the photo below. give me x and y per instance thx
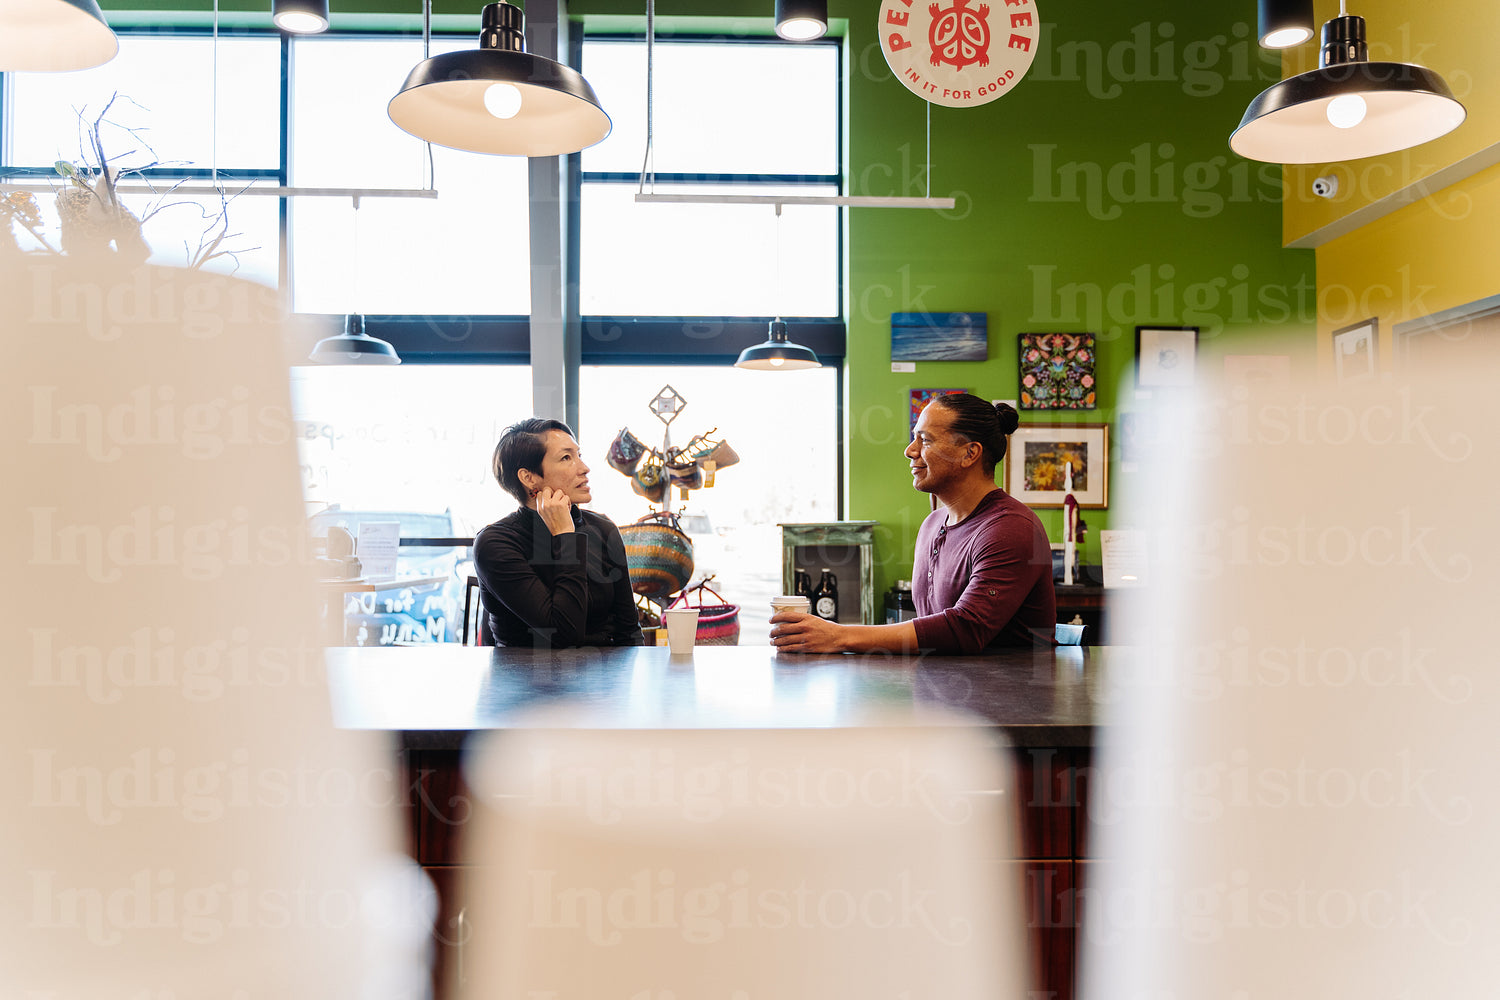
(830, 332)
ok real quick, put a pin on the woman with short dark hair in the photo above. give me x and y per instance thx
(552, 574)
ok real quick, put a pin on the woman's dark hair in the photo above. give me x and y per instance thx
(976, 419)
(523, 445)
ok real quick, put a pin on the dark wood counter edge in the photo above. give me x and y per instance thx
(1040, 735)
(1022, 719)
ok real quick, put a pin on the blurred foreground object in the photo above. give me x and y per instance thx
(178, 816)
(838, 863)
(1297, 793)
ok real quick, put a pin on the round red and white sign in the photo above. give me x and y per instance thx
(958, 53)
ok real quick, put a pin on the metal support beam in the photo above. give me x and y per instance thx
(554, 334)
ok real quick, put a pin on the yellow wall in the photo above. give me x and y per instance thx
(1454, 37)
(1436, 254)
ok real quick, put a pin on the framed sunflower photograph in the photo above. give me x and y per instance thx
(1040, 456)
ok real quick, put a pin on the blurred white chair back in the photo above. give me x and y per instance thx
(654, 865)
(1297, 793)
(178, 816)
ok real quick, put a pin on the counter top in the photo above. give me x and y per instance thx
(435, 695)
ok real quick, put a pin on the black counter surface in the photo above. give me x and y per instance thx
(435, 695)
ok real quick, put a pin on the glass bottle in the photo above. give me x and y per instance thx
(825, 600)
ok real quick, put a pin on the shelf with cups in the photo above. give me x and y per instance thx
(843, 549)
(658, 551)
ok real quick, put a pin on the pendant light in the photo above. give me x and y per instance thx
(1348, 107)
(778, 353)
(1284, 23)
(801, 20)
(354, 347)
(301, 17)
(500, 98)
(54, 36)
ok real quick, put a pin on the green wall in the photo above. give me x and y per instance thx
(1100, 193)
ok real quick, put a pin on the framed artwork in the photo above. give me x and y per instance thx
(1037, 460)
(919, 400)
(1057, 371)
(1258, 371)
(1165, 356)
(940, 336)
(1133, 432)
(1354, 349)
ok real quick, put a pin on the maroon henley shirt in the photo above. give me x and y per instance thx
(986, 581)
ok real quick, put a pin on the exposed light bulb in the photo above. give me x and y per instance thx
(801, 29)
(1283, 38)
(502, 100)
(1346, 111)
(777, 362)
(300, 22)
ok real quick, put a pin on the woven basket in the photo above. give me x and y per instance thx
(660, 556)
(718, 624)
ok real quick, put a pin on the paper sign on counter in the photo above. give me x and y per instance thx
(377, 548)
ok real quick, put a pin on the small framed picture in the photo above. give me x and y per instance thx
(1258, 371)
(1354, 350)
(1057, 371)
(939, 336)
(1040, 458)
(1165, 356)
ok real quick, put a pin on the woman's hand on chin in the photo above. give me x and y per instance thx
(556, 510)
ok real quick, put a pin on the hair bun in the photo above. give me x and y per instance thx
(1009, 418)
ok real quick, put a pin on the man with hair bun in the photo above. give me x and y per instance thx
(983, 570)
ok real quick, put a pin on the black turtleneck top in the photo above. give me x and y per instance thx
(547, 591)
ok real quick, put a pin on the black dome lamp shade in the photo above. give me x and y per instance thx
(354, 347)
(500, 98)
(54, 36)
(778, 353)
(1347, 108)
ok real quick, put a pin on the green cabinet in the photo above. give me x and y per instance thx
(845, 547)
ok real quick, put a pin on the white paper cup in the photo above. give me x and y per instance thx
(682, 629)
(791, 602)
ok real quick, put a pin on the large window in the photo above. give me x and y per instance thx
(464, 253)
(668, 291)
(774, 131)
(788, 467)
(158, 129)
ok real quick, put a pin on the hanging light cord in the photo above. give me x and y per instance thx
(214, 135)
(426, 50)
(357, 298)
(929, 147)
(650, 67)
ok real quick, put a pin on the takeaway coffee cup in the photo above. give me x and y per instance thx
(789, 602)
(682, 629)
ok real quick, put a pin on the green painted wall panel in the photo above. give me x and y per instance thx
(1099, 194)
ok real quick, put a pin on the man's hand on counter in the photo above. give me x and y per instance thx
(798, 633)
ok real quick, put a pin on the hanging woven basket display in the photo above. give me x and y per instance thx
(659, 554)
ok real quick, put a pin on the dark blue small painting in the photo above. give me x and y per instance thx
(939, 336)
